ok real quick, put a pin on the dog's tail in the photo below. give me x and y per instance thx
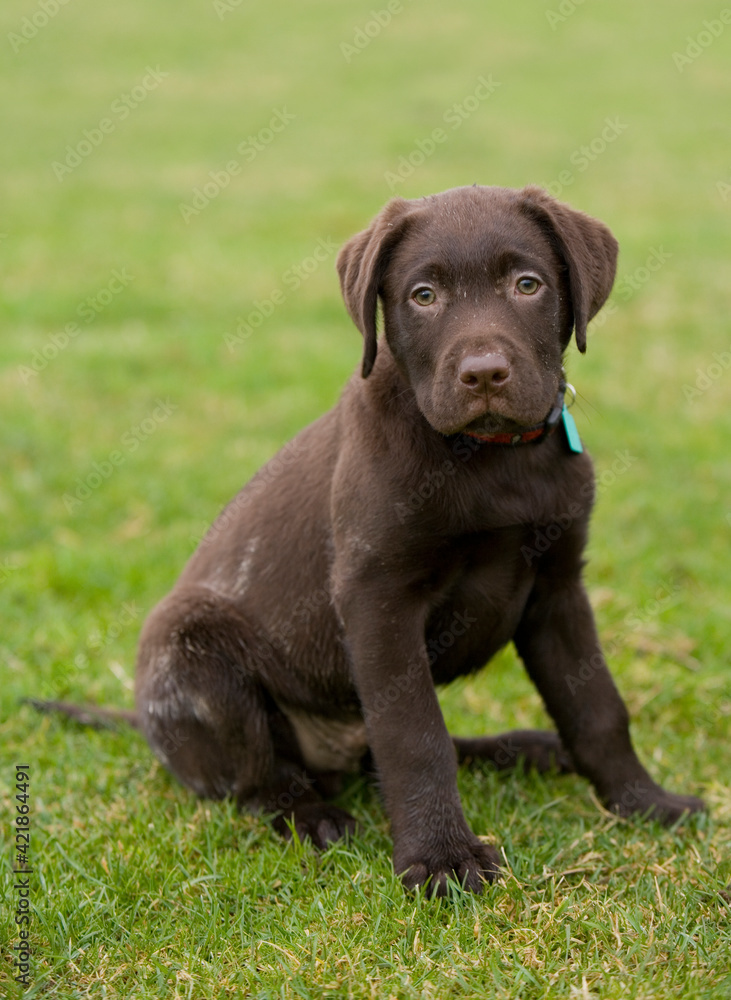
(87, 715)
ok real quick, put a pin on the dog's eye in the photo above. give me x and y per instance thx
(528, 285)
(424, 296)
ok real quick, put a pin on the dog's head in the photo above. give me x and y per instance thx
(481, 289)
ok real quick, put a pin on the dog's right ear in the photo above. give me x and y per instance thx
(361, 265)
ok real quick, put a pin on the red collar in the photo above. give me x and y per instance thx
(532, 434)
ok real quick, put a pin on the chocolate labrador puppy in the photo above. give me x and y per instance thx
(394, 545)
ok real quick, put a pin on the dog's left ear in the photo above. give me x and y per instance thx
(588, 249)
(362, 264)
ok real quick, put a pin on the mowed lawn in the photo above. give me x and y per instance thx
(177, 177)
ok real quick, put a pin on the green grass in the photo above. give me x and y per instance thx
(138, 889)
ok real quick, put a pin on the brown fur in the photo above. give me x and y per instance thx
(383, 551)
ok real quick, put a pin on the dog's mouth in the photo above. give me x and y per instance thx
(492, 423)
(485, 425)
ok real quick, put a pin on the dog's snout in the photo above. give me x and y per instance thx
(483, 372)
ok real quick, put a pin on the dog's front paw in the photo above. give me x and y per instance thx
(472, 865)
(652, 801)
(319, 821)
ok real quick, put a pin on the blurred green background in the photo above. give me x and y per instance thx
(176, 178)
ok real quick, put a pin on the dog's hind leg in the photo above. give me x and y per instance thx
(536, 749)
(205, 712)
(199, 702)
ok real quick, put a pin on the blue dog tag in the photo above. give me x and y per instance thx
(572, 434)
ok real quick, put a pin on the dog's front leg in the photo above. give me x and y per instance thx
(412, 749)
(558, 643)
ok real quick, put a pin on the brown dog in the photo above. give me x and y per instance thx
(392, 546)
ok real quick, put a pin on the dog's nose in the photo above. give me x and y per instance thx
(484, 372)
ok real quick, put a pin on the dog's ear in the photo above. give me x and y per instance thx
(362, 264)
(588, 249)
